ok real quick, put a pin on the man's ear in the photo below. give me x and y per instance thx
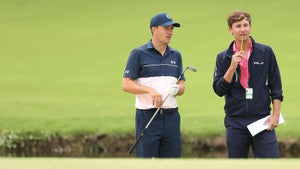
(230, 30)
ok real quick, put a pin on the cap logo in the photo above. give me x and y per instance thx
(168, 16)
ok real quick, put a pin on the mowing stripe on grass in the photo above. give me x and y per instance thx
(133, 163)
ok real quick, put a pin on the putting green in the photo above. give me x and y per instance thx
(132, 163)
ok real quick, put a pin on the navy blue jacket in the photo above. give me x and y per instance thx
(264, 79)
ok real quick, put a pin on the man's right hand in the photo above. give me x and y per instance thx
(157, 100)
(236, 59)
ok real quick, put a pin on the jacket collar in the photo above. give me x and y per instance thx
(230, 51)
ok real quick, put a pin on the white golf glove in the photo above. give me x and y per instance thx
(173, 90)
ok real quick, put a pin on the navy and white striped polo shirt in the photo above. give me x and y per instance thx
(146, 65)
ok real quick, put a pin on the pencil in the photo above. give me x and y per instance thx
(242, 41)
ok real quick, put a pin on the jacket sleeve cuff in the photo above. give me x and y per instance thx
(222, 87)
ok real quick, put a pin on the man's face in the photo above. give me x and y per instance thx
(163, 33)
(240, 28)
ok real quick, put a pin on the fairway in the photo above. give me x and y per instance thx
(62, 61)
(73, 163)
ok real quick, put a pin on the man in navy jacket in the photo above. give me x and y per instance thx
(247, 74)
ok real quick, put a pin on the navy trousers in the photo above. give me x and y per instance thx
(162, 138)
(239, 140)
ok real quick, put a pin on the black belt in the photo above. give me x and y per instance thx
(162, 110)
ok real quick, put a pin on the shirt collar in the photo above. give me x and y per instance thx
(150, 46)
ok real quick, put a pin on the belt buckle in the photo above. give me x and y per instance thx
(161, 111)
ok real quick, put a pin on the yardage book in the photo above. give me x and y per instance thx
(258, 126)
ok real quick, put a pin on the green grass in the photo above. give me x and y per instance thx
(62, 61)
(65, 163)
